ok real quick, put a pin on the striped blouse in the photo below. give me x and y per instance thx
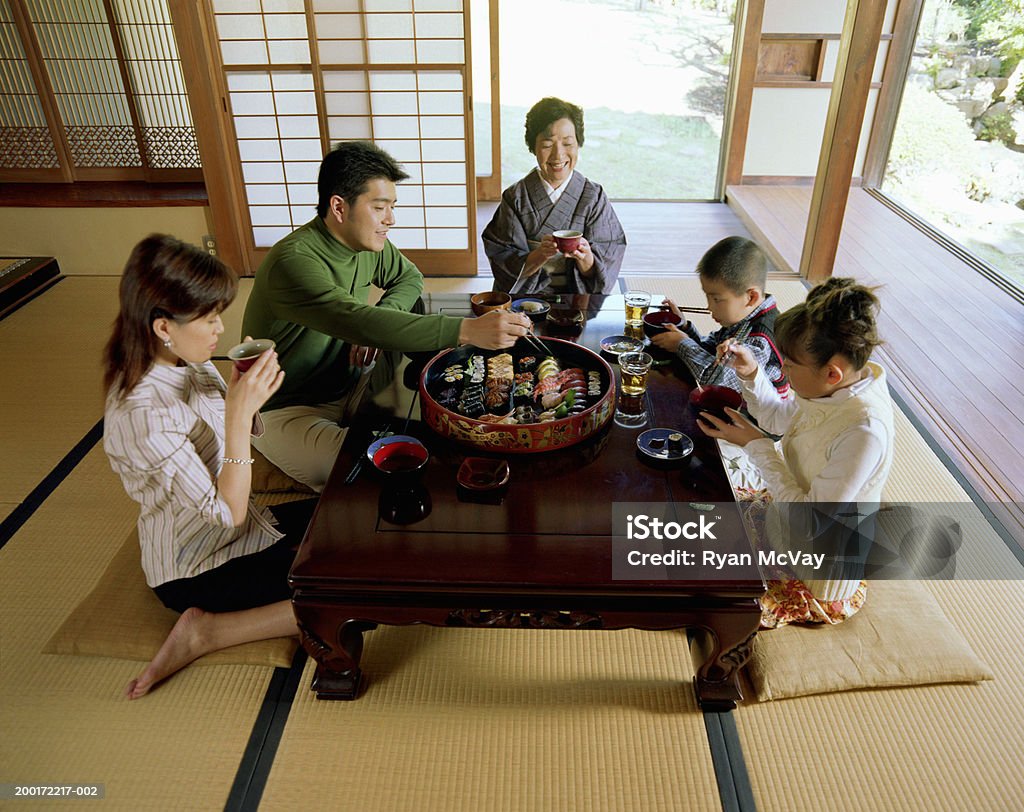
(166, 441)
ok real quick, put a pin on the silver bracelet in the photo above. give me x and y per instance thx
(238, 460)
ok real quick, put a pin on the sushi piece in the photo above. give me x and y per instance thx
(471, 402)
(547, 368)
(449, 397)
(499, 367)
(476, 370)
(453, 373)
(523, 386)
(526, 364)
(525, 414)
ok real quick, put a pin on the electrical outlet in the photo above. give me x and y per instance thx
(210, 244)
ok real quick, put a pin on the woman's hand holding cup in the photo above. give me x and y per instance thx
(248, 391)
(541, 254)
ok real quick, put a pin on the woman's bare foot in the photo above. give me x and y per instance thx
(182, 646)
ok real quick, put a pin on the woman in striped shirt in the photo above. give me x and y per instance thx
(179, 439)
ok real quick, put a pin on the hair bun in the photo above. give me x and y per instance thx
(841, 299)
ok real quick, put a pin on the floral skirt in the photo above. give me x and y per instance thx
(787, 598)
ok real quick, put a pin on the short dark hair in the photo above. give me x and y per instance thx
(545, 113)
(348, 168)
(163, 278)
(837, 318)
(736, 262)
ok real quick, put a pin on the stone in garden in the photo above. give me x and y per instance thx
(997, 109)
(972, 108)
(947, 78)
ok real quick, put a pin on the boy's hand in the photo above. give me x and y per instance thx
(739, 357)
(669, 339)
(673, 308)
(739, 432)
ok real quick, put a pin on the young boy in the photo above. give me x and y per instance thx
(733, 273)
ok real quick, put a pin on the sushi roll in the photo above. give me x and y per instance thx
(523, 386)
(548, 368)
(453, 373)
(449, 397)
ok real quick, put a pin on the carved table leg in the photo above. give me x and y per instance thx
(337, 673)
(717, 679)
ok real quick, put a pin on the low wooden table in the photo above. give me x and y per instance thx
(21, 278)
(542, 559)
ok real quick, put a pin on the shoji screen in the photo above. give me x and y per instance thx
(93, 89)
(302, 75)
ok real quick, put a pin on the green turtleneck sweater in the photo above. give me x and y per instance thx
(310, 296)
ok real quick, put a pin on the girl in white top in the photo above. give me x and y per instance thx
(837, 430)
(180, 441)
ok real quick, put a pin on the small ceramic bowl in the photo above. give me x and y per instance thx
(481, 479)
(483, 474)
(399, 457)
(245, 354)
(657, 321)
(566, 318)
(489, 300)
(616, 345)
(666, 448)
(567, 241)
(536, 309)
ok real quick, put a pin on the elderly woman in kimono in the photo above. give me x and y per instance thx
(553, 197)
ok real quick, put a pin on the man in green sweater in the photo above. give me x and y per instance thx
(310, 296)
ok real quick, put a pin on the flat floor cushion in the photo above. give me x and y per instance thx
(900, 637)
(121, 617)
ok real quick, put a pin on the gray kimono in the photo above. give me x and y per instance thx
(526, 214)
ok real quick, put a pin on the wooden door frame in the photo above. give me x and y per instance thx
(894, 79)
(488, 187)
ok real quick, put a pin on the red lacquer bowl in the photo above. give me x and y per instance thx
(525, 438)
(715, 399)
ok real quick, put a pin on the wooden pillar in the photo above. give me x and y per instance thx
(894, 77)
(858, 47)
(207, 101)
(742, 90)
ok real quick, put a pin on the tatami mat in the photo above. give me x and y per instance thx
(6, 508)
(64, 718)
(503, 720)
(52, 381)
(938, 747)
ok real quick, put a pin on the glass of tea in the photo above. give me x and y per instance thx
(637, 302)
(630, 407)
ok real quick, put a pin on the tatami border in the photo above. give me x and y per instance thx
(30, 504)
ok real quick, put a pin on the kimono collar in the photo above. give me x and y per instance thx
(560, 212)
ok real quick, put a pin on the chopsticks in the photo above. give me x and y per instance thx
(739, 337)
(535, 342)
(374, 436)
(703, 310)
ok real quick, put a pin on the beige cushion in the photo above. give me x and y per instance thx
(899, 637)
(122, 618)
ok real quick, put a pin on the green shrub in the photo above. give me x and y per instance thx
(998, 127)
